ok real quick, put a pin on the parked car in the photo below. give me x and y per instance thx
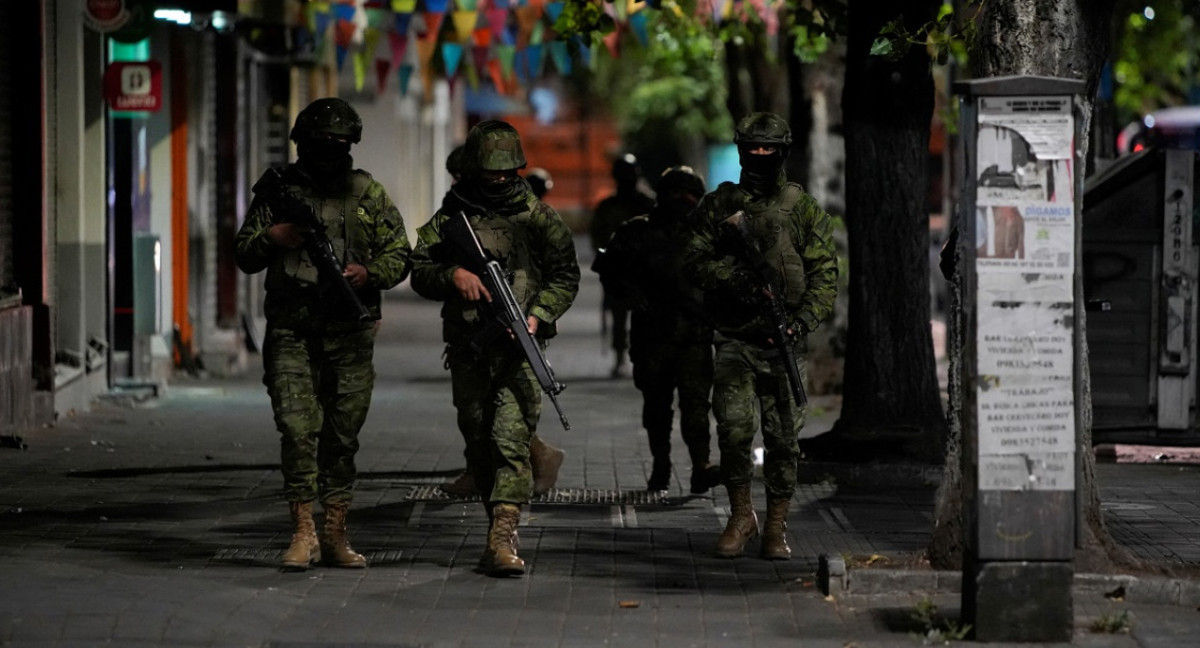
(1177, 127)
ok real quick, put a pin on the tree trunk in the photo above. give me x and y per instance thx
(891, 408)
(1044, 38)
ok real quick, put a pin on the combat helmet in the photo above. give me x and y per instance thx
(492, 146)
(328, 117)
(680, 178)
(763, 128)
(540, 181)
(454, 162)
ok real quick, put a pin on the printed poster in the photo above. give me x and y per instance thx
(1025, 264)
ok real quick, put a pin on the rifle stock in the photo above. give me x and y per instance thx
(506, 312)
(320, 249)
(781, 340)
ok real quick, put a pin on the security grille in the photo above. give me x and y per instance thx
(594, 496)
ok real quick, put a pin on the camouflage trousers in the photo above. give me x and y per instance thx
(320, 385)
(750, 389)
(499, 402)
(662, 368)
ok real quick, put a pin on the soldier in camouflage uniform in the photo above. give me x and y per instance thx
(317, 357)
(545, 459)
(626, 202)
(750, 384)
(495, 392)
(670, 338)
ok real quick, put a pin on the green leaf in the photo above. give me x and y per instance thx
(882, 47)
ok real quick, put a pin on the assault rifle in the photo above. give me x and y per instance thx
(274, 190)
(780, 338)
(506, 313)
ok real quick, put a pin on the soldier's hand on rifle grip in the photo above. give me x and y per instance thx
(356, 274)
(287, 235)
(469, 285)
(533, 324)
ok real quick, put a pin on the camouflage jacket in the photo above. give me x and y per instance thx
(362, 224)
(794, 235)
(529, 240)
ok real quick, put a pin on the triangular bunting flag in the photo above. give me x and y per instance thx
(437, 6)
(467, 5)
(433, 24)
(371, 40)
(344, 11)
(481, 37)
(426, 47)
(404, 6)
(343, 32)
(480, 56)
(554, 10)
(505, 55)
(360, 70)
(560, 56)
(399, 43)
(638, 23)
(472, 75)
(612, 41)
(451, 57)
(527, 17)
(376, 18)
(383, 70)
(538, 34)
(536, 60)
(497, 75)
(322, 20)
(405, 73)
(521, 64)
(401, 22)
(341, 57)
(497, 18)
(584, 50)
(464, 24)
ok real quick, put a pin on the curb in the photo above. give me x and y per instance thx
(834, 578)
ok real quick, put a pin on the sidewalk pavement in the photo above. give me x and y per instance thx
(158, 522)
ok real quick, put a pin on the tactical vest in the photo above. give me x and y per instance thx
(507, 240)
(772, 228)
(342, 217)
(774, 232)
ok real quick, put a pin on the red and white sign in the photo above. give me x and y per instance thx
(134, 86)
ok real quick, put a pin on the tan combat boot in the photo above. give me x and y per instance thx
(501, 556)
(305, 549)
(743, 523)
(335, 543)
(774, 542)
(545, 460)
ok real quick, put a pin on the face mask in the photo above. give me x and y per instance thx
(496, 186)
(324, 156)
(764, 165)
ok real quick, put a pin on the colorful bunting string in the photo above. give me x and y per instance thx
(505, 42)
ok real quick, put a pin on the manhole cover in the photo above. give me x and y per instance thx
(598, 496)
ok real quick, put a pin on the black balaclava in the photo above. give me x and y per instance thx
(511, 188)
(761, 174)
(326, 160)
